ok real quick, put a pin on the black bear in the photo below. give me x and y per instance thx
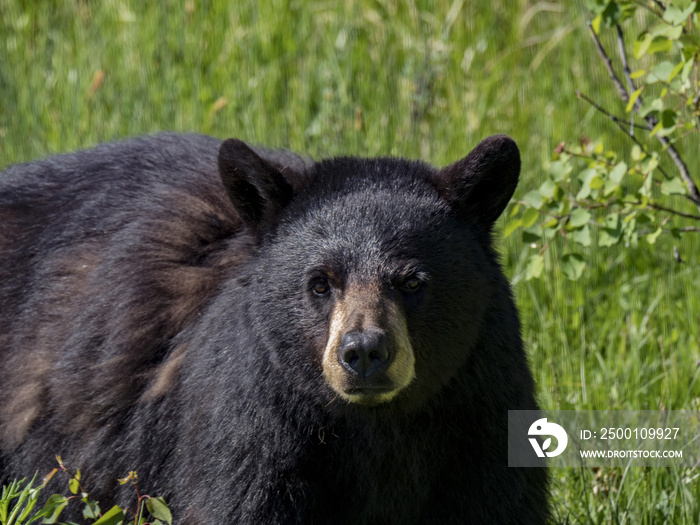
(264, 338)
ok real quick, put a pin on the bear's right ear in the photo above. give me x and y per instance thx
(257, 189)
(480, 185)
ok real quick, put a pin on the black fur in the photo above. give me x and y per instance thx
(149, 322)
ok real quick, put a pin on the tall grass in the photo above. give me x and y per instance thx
(421, 79)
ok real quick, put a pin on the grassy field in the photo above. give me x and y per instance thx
(422, 79)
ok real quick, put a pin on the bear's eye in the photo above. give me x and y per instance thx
(412, 284)
(320, 287)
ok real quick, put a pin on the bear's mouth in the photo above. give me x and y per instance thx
(368, 390)
(370, 395)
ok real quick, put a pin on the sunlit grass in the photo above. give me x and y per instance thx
(424, 79)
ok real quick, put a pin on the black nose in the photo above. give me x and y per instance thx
(364, 352)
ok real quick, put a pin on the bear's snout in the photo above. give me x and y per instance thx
(366, 354)
(368, 357)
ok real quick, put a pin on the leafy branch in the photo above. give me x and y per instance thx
(18, 500)
(595, 196)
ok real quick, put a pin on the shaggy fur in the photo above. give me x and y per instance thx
(153, 318)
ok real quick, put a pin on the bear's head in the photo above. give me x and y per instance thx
(372, 277)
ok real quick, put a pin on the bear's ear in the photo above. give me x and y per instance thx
(256, 188)
(480, 185)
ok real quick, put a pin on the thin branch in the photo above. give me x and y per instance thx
(608, 64)
(605, 112)
(645, 5)
(585, 157)
(693, 193)
(620, 123)
(626, 67)
(683, 230)
(675, 212)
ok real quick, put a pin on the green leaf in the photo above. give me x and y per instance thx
(650, 163)
(113, 516)
(585, 177)
(74, 486)
(614, 178)
(633, 98)
(581, 236)
(676, 70)
(666, 124)
(676, 16)
(596, 183)
(669, 118)
(52, 509)
(687, 68)
(159, 509)
(661, 72)
(674, 186)
(611, 233)
(91, 509)
(564, 207)
(651, 105)
(530, 217)
(660, 44)
(618, 172)
(579, 217)
(641, 45)
(643, 218)
(530, 237)
(559, 169)
(651, 238)
(638, 74)
(612, 14)
(572, 265)
(535, 265)
(672, 32)
(511, 226)
(25, 501)
(630, 234)
(637, 154)
(547, 189)
(534, 199)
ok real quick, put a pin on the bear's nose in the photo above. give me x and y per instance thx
(364, 352)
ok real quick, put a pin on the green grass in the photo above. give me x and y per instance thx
(422, 79)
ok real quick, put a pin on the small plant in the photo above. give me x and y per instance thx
(19, 499)
(596, 195)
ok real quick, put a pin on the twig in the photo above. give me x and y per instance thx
(620, 123)
(626, 67)
(675, 212)
(684, 229)
(605, 112)
(608, 64)
(693, 193)
(628, 73)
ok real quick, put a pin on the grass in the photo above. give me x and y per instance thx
(424, 79)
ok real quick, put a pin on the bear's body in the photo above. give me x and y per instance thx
(326, 342)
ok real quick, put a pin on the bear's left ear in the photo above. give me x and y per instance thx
(256, 188)
(480, 185)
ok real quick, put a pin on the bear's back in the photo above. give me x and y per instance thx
(105, 255)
